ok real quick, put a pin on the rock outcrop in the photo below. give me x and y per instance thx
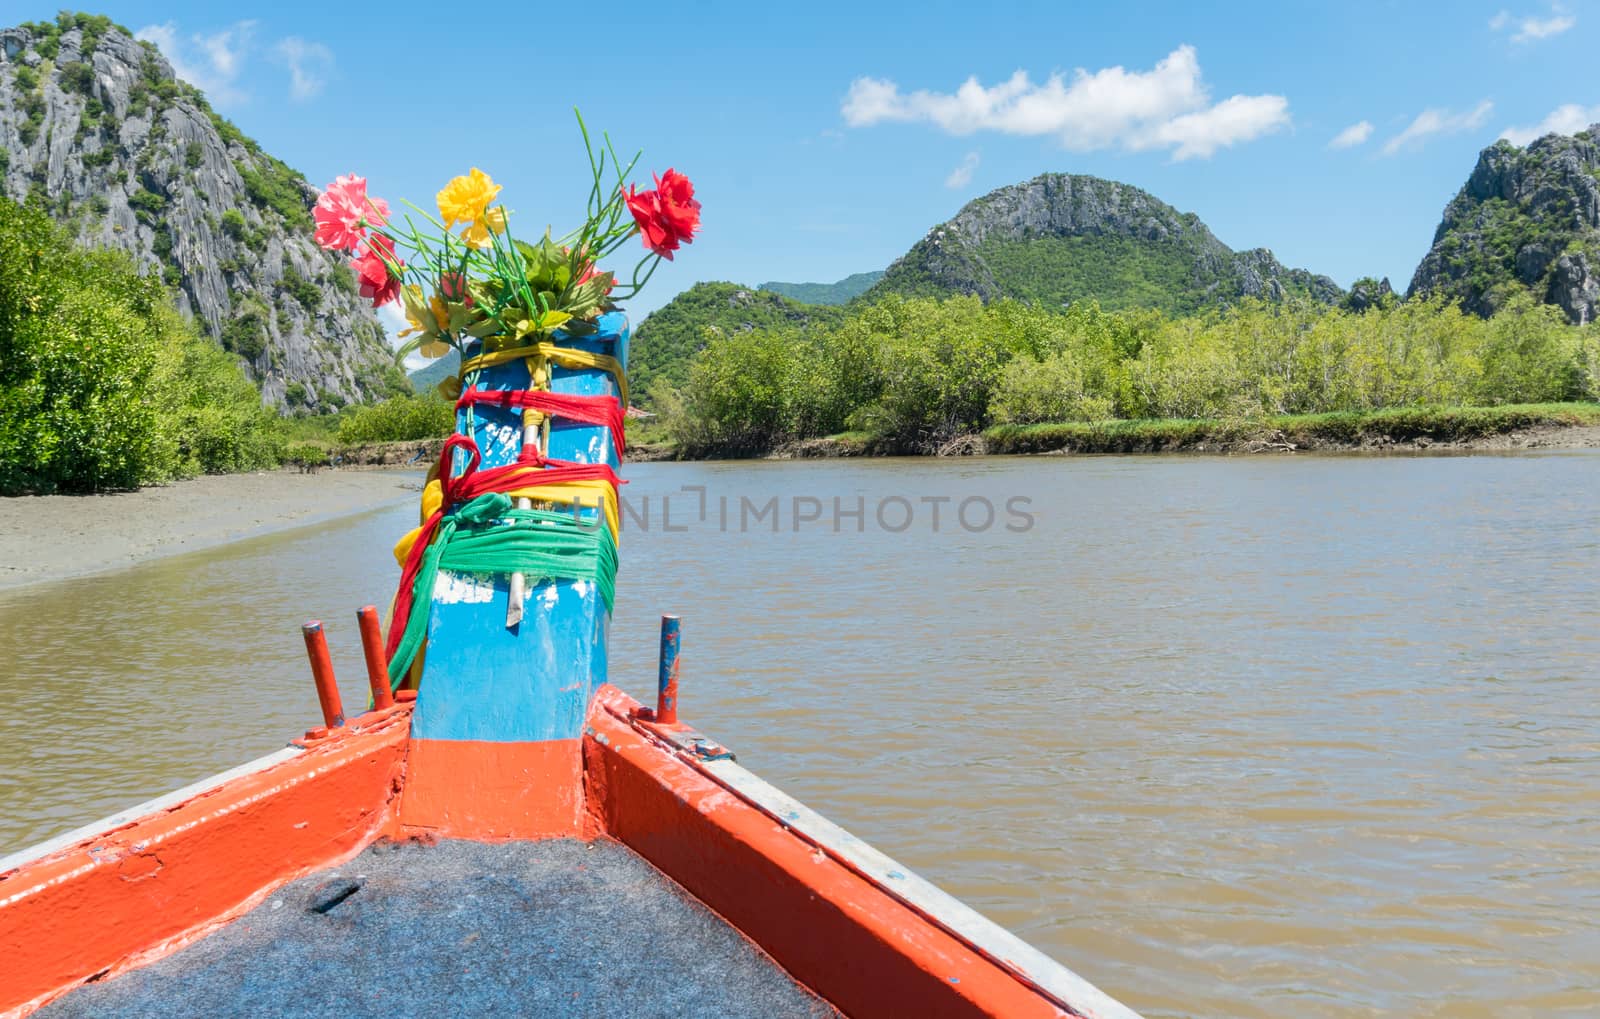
(1061, 237)
(95, 125)
(1527, 220)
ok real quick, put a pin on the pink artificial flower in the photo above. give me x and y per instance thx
(379, 283)
(344, 212)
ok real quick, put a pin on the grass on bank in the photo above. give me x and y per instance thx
(1351, 428)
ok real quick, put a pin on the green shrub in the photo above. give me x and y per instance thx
(307, 454)
(274, 186)
(343, 280)
(27, 78)
(233, 224)
(301, 289)
(1054, 389)
(147, 204)
(401, 419)
(917, 371)
(103, 384)
(78, 77)
(193, 154)
(246, 333)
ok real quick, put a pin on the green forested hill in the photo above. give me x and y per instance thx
(1061, 238)
(827, 293)
(665, 342)
(427, 378)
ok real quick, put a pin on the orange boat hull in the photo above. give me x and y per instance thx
(868, 940)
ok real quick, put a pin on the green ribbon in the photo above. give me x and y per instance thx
(488, 536)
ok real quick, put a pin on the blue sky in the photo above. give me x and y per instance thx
(826, 139)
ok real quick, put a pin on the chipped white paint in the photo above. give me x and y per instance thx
(948, 912)
(548, 595)
(451, 588)
(503, 440)
(581, 588)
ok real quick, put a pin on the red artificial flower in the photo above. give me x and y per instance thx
(667, 216)
(453, 285)
(372, 266)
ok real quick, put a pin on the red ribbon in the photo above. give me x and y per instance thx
(606, 411)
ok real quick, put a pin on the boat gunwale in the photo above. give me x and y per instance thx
(1012, 958)
(996, 943)
(94, 831)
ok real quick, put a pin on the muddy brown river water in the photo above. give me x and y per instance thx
(1230, 737)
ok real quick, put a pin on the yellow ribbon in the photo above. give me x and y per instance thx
(566, 357)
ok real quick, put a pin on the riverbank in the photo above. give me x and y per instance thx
(54, 537)
(1415, 430)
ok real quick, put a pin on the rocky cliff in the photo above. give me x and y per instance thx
(1059, 238)
(95, 125)
(1527, 220)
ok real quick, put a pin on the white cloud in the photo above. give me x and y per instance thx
(961, 176)
(1433, 122)
(211, 63)
(309, 65)
(1531, 28)
(1543, 28)
(1234, 120)
(1167, 107)
(225, 49)
(1352, 136)
(1568, 119)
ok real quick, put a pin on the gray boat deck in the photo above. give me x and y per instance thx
(556, 928)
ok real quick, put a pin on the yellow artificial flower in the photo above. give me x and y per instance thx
(411, 298)
(477, 234)
(433, 344)
(464, 199)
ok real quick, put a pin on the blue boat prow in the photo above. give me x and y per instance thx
(484, 682)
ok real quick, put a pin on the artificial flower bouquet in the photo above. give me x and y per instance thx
(463, 276)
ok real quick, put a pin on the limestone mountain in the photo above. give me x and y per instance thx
(96, 127)
(826, 293)
(1060, 238)
(1527, 220)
